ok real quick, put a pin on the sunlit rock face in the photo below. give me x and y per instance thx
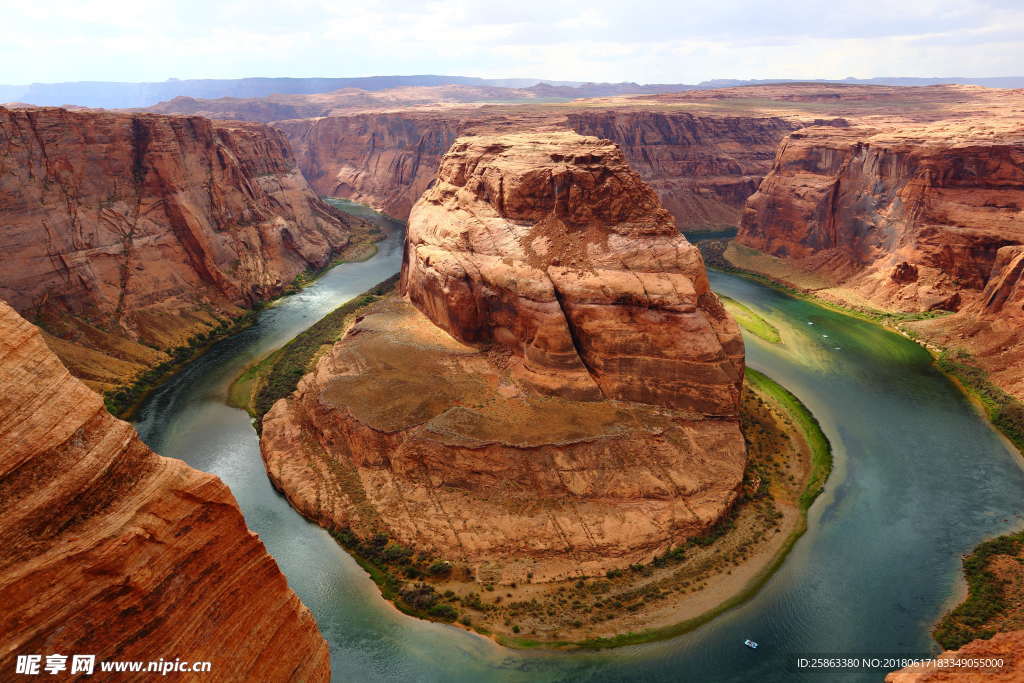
(109, 549)
(554, 394)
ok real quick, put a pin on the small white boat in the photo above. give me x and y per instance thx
(751, 644)
(809, 322)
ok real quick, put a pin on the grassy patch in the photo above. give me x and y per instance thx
(123, 401)
(1004, 410)
(821, 449)
(277, 375)
(750, 320)
(985, 603)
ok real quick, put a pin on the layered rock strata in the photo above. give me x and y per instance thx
(124, 235)
(556, 394)
(702, 167)
(108, 549)
(908, 221)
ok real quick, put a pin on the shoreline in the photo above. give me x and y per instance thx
(973, 575)
(752, 572)
(362, 250)
(889, 321)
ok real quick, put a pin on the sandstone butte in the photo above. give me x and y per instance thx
(1007, 646)
(109, 549)
(555, 394)
(125, 234)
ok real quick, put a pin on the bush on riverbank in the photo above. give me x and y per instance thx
(287, 366)
(123, 400)
(986, 603)
(1005, 411)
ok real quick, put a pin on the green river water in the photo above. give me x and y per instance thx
(919, 479)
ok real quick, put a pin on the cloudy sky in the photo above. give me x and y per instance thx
(665, 41)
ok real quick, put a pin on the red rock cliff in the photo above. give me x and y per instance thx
(556, 397)
(385, 160)
(561, 253)
(127, 232)
(909, 220)
(702, 167)
(108, 549)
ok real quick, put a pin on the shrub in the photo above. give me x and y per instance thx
(443, 612)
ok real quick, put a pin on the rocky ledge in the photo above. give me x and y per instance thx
(109, 549)
(557, 392)
(126, 235)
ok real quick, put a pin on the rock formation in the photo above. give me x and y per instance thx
(702, 167)
(557, 393)
(126, 234)
(108, 549)
(909, 221)
(991, 327)
(921, 218)
(384, 160)
(343, 101)
(1006, 646)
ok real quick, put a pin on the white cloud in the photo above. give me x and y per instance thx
(639, 40)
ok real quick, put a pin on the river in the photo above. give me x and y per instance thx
(919, 479)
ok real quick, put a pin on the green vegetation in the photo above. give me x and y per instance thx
(821, 467)
(821, 449)
(361, 251)
(1004, 410)
(751, 321)
(986, 602)
(123, 401)
(277, 375)
(390, 565)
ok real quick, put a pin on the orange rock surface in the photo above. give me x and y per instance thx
(557, 395)
(550, 245)
(702, 167)
(908, 220)
(125, 234)
(108, 549)
(1007, 646)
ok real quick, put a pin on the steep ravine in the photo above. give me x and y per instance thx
(125, 236)
(111, 550)
(702, 167)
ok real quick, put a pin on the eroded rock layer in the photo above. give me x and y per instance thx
(555, 396)
(550, 245)
(910, 221)
(126, 234)
(702, 167)
(108, 549)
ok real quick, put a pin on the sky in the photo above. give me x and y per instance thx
(647, 41)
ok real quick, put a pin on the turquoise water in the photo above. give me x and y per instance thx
(920, 478)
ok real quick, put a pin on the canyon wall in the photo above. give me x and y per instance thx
(922, 219)
(109, 549)
(384, 160)
(556, 394)
(124, 235)
(702, 167)
(907, 222)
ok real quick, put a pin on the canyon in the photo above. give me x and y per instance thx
(702, 167)
(553, 326)
(910, 219)
(126, 236)
(111, 550)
